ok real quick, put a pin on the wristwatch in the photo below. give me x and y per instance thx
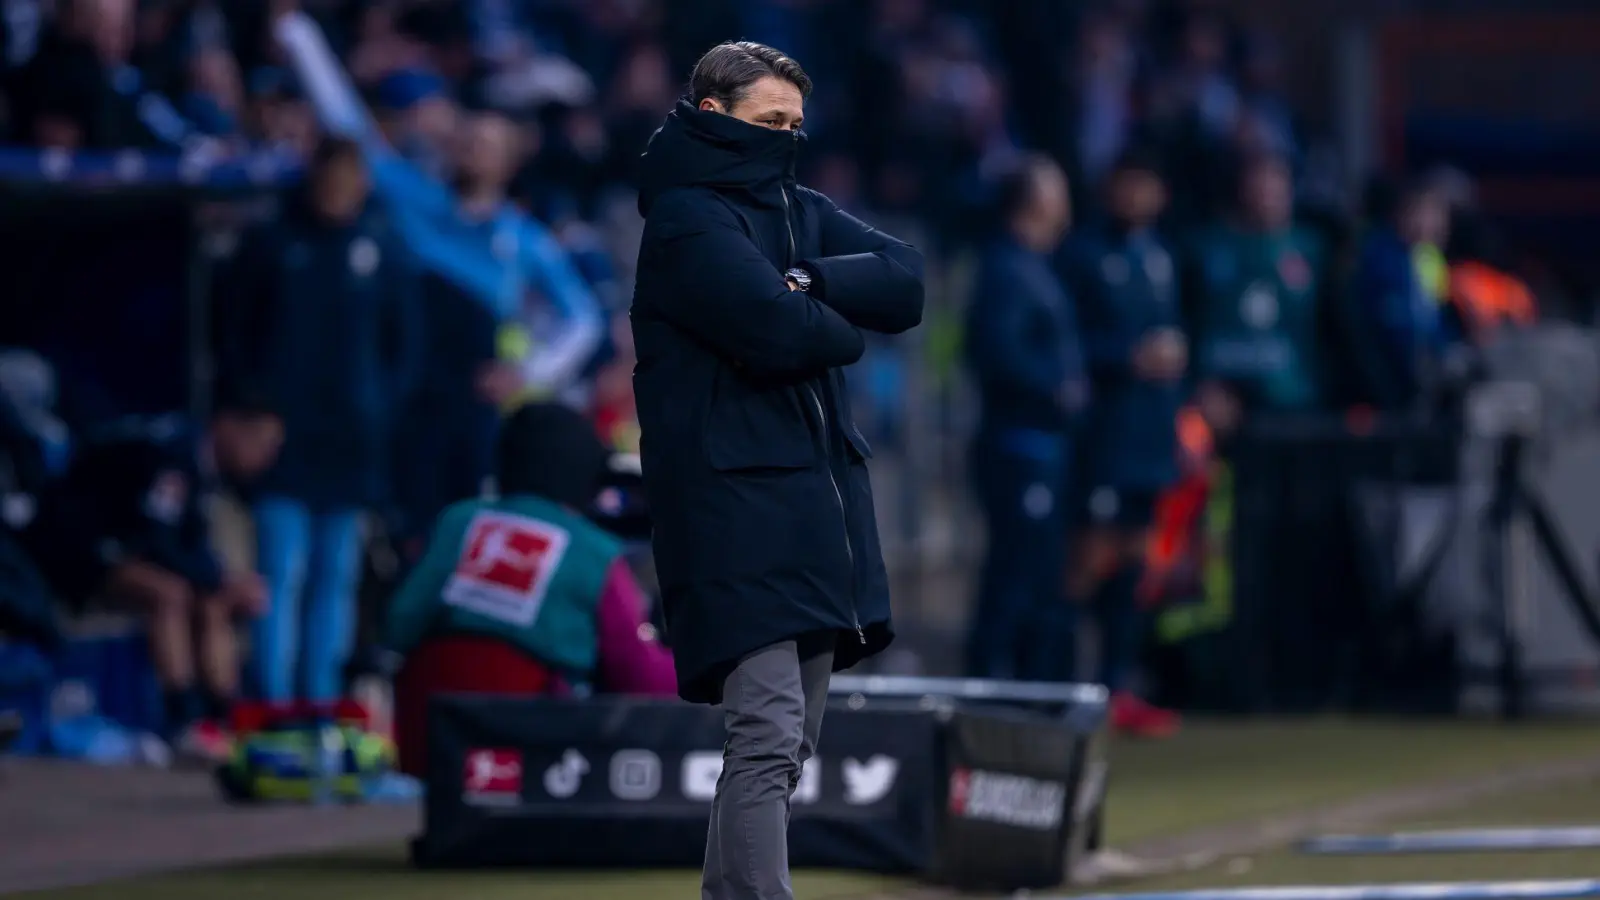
(800, 277)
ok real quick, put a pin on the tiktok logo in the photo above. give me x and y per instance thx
(563, 779)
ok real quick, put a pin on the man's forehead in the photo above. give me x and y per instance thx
(775, 95)
(490, 126)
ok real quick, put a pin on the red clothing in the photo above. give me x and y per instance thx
(456, 664)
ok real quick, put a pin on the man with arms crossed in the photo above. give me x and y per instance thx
(752, 294)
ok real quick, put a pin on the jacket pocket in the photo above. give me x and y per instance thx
(753, 426)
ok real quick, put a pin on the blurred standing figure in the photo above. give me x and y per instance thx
(1105, 78)
(325, 325)
(446, 447)
(1254, 304)
(1126, 283)
(1022, 346)
(493, 277)
(1402, 286)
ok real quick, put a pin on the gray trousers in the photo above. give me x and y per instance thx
(772, 707)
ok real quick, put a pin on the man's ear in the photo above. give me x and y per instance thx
(711, 105)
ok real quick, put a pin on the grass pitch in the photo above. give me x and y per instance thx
(1574, 804)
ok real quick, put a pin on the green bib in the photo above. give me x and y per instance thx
(1258, 313)
(528, 571)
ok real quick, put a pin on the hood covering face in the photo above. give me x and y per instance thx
(698, 148)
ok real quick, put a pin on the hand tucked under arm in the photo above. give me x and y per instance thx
(722, 291)
(872, 279)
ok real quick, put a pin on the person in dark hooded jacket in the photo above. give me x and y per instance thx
(322, 319)
(752, 293)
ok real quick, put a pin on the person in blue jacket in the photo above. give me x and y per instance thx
(1125, 281)
(549, 323)
(484, 263)
(1406, 320)
(325, 323)
(1023, 351)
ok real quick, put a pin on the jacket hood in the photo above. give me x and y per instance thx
(697, 148)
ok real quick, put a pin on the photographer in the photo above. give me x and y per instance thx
(524, 594)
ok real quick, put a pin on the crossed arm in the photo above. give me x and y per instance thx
(720, 289)
(872, 279)
(747, 312)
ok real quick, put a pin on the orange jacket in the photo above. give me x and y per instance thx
(1487, 298)
(1172, 540)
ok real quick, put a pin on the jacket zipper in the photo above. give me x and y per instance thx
(849, 549)
(822, 415)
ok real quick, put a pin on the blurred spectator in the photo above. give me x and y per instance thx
(27, 610)
(1125, 281)
(1022, 346)
(1265, 122)
(641, 91)
(1199, 85)
(956, 113)
(278, 116)
(21, 26)
(127, 524)
(325, 322)
(526, 76)
(380, 47)
(418, 118)
(1401, 282)
(444, 27)
(444, 448)
(28, 385)
(525, 595)
(81, 88)
(469, 234)
(1107, 66)
(215, 98)
(485, 259)
(1193, 110)
(574, 155)
(1253, 304)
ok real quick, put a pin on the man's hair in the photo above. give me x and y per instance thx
(245, 402)
(1014, 187)
(1138, 159)
(331, 150)
(726, 72)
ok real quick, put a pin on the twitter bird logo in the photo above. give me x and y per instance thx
(868, 782)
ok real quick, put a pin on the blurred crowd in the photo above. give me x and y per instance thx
(1158, 239)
